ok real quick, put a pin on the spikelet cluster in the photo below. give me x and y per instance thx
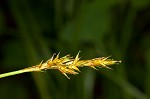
(69, 65)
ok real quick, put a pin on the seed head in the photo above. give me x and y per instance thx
(69, 65)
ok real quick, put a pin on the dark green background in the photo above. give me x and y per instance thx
(32, 30)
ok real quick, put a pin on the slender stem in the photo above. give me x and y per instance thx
(12, 73)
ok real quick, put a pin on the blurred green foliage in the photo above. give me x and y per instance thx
(30, 31)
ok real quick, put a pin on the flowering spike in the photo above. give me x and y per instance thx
(67, 65)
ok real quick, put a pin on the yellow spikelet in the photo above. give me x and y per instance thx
(67, 65)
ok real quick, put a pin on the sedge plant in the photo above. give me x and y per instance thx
(66, 65)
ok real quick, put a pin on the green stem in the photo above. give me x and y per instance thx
(12, 73)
